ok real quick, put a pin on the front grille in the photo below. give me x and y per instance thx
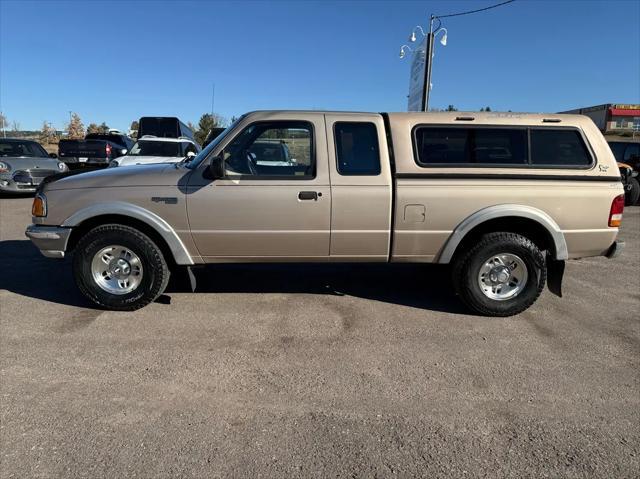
(33, 176)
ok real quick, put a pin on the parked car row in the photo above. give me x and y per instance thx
(24, 164)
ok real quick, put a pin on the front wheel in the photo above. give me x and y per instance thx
(501, 275)
(118, 267)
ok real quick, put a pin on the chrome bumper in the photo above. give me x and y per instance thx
(50, 240)
(615, 249)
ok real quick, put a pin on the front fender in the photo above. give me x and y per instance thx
(179, 251)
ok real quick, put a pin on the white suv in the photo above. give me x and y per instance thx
(152, 149)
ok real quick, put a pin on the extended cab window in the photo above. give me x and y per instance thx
(556, 147)
(357, 148)
(470, 146)
(272, 149)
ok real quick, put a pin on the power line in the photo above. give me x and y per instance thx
(474, 11)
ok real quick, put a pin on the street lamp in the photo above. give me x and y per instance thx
(431, 36)
(412, 38)
(403, 48)
(429, 51)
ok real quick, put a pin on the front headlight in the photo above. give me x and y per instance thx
(4, 168)
(39, 207)
(62, 166)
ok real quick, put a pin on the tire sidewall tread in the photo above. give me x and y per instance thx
(466, 266)
(155, 268)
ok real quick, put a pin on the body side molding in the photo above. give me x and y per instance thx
(177, 247)
(501, 211)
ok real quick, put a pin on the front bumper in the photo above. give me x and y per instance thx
(50, 240)
(615, 249)
(8, 185)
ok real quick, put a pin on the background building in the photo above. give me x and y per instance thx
(612, 118)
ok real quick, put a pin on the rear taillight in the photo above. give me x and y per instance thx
(108, 150)
(615, 215)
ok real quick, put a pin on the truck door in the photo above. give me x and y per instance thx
(275, 201)
(361, 187)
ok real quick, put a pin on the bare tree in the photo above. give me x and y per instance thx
(133, 129)
(3, 124)
(15, 126)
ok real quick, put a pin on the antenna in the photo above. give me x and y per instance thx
(213, 97)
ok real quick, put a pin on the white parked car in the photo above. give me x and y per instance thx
(151, 149)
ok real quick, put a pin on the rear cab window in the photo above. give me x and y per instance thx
(477, 146)
(357, 151)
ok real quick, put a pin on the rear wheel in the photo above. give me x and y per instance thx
(501, 275)
(632, 192)
(119, 268)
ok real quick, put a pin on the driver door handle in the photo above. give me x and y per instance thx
(309, 195)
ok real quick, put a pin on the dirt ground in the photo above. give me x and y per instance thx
(317, 371)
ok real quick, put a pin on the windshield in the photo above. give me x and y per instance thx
(22, 148)
(156, 148)
(205, 152)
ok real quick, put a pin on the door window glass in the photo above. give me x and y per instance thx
(272, 149)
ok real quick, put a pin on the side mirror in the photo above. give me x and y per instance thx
(191, 154)
(215, 170)
(123, 151)
(53, 155)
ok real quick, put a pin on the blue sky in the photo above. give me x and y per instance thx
(115, 61)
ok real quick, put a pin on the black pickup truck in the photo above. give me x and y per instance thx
(97, 149)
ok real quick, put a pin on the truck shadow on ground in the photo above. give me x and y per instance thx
(29, 274)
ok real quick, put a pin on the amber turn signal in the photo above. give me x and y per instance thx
(39, 207)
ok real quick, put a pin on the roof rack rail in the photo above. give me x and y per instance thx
(148, 136)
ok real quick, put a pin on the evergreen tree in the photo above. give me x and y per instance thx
(75, 128)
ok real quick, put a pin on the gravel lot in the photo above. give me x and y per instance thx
(297, 371)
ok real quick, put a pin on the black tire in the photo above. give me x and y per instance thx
(155, 270)
(467, 266)
(632, 192)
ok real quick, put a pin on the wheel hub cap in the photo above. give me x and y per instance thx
(116, 269)
(502, 276)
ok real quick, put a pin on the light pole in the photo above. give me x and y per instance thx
(431, 36)
(429, 46)
(428, 54)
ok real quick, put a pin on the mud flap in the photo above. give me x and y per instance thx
(555, 272)
(192, 279)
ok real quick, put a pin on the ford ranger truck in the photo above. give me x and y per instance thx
(504, 198)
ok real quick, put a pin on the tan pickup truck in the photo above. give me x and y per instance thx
(505, 198)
